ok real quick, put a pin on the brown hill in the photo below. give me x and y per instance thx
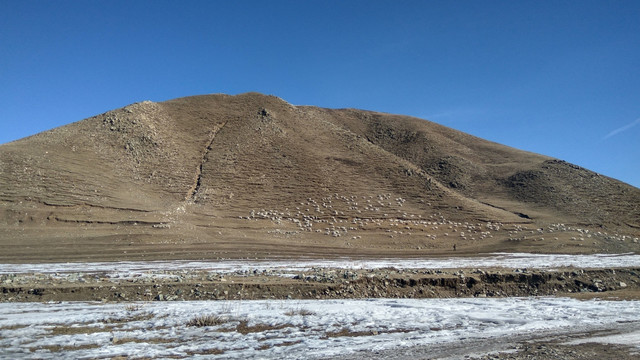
(251, 175)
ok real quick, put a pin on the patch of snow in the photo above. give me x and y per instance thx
(296, 329)
(126, 269)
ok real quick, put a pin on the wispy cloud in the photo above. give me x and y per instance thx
(622, 129)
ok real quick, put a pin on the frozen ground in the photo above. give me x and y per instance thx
(518, 260)
(296, 329)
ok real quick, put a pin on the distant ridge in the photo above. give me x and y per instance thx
(253, 174)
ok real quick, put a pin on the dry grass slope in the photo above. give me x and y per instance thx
(252, 175)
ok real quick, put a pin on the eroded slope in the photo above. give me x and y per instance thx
(255, 174)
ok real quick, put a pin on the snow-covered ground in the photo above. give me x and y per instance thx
(299, 329)
(302, 328)
(504, 260)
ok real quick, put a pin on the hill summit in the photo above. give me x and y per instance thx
(254, 176)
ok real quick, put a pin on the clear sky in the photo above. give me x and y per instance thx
(560, 78)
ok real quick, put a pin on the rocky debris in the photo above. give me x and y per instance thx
(552, 351)
(315, 283)
(339, 215)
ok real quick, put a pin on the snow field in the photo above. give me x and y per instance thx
(297, 329)
(128, 269)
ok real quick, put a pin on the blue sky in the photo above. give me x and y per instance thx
(560, 78)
